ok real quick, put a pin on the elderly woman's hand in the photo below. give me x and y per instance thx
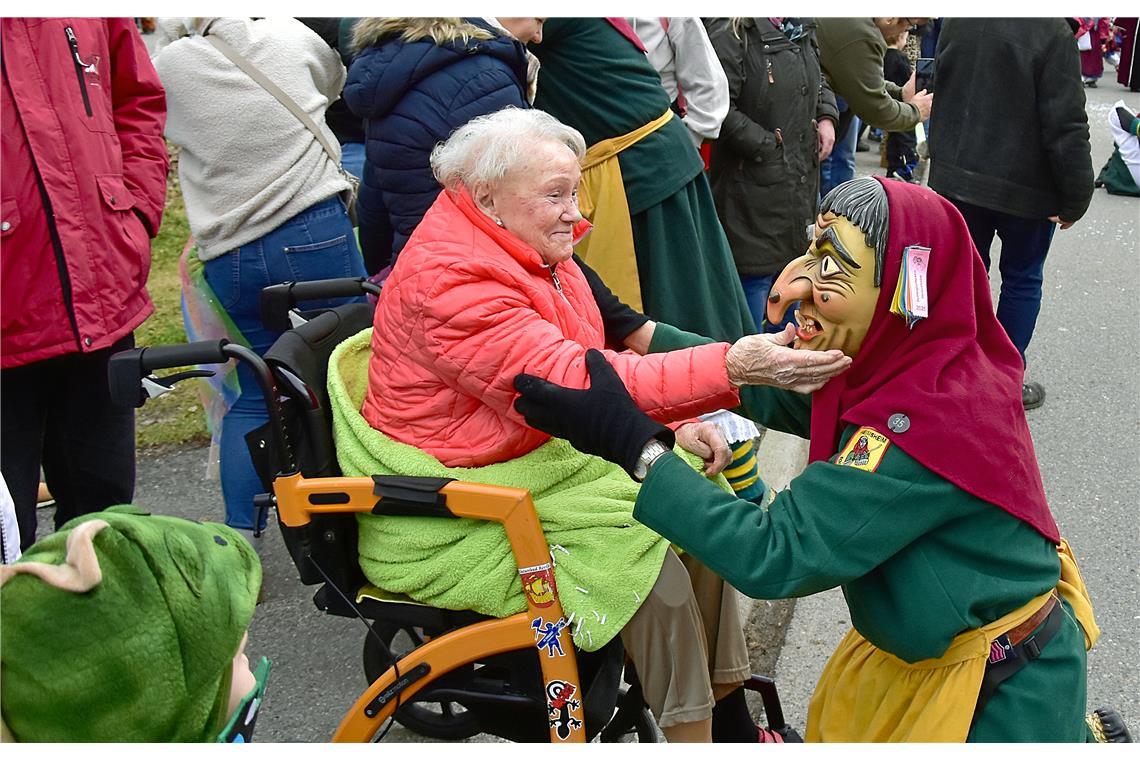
(766, 359)
(706, 441)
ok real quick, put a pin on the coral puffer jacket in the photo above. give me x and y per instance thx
(468, 307)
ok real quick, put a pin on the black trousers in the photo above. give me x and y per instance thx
(58, 413)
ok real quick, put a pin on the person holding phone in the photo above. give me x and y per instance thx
(851, 54)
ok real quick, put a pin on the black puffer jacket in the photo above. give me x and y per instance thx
(765, 192)
(1008, 127)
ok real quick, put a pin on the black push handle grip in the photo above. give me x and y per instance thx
(127, 368)
(277, 300)
(342, 287)
(182, 354)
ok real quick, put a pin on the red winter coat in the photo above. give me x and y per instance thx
(469, 306)
(81, 109)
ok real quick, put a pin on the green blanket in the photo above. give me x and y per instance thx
(605, 562)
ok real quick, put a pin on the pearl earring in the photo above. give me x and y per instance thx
(499, 222)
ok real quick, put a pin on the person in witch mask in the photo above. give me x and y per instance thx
(127, 627)
(969, 619)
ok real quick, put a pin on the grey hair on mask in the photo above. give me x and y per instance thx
(489, 147)
(863, 202)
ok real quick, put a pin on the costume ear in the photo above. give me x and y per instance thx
(186, 557)
(80, 571)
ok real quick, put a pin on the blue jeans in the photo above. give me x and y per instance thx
(316, 244)
(1024, 245)
(352, 158)
(756, 293)
(840, 165)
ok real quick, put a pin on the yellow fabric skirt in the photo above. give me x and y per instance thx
(868, 695)
(608, 249)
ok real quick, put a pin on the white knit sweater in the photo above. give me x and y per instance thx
(247, 163)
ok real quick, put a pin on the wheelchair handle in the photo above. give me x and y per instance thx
(277, 300)
(180, 355)
(131, 382)
(126, 369)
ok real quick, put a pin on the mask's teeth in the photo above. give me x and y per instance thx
(798, 318)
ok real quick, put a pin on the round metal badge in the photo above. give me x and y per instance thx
(898, 423)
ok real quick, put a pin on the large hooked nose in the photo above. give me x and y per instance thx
(793, 284)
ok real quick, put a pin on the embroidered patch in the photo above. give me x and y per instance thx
(864, 450)
(1001, 650)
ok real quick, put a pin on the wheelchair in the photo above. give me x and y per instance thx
(455, 673)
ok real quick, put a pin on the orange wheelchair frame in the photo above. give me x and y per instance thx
(297, 498)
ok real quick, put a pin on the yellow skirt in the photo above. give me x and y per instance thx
(868, 695)
(608, 249)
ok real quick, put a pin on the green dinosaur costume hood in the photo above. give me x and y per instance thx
(124, 630)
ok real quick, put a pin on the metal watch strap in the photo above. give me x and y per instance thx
(650, 454)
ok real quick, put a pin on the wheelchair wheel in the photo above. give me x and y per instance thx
(436, 720)
(632, 722)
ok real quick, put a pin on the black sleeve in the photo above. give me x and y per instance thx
(896, 68)
(1065, 127)
(619, 320)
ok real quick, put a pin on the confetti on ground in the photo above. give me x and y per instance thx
(637, 596)
(579, 588)
(596, 616)
(603, 620)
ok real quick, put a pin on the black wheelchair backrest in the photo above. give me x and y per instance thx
(299, 360)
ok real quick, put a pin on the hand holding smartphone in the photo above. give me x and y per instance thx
(924, 75)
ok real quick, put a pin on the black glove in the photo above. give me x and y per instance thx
(601, 420)
(618, 319)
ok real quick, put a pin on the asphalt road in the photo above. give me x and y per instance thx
(1085, 352)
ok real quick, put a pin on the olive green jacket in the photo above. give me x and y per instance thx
(851, 53)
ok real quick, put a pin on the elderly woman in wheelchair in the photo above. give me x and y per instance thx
(487, 288)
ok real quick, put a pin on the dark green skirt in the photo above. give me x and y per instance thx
(688, 278)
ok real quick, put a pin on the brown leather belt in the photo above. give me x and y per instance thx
(1020, 633)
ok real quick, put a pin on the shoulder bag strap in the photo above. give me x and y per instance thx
(255, 74)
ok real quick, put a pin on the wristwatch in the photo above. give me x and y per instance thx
(653, 449)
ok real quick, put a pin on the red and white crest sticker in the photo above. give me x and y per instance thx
(538, 584)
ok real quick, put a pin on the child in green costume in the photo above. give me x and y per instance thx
(127, 627)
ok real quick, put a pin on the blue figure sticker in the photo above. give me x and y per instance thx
(549, 635)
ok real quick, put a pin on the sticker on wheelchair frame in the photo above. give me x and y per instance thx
(560, 703)
(538, 584)
(549, 635)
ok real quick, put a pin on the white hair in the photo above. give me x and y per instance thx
(487, 148)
